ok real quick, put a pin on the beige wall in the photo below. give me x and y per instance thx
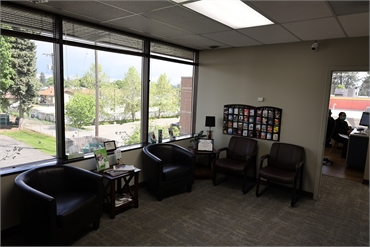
(288, 76)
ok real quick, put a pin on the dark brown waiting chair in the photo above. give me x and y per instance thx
(241, 154)
(284, 166)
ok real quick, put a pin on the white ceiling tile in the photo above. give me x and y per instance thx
(186, 19)
(287, 11)
(349, 7)
(139, 6)
(198, 42)
(232, 38)
(93, 9)
(151, 27)
(270, 34)
(170, 21)
(355, 25)
(327, 28)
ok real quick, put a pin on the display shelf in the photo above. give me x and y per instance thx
(256, 122)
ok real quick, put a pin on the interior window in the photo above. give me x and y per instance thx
(350, 93)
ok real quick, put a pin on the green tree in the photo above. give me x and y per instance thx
(72, 82)
(134, 137)
(88, 79)
(26, 86)
(42, 79)
(7, 73)
(80, 110)
(131, 89)
(50, 81)
(365, 86)
(348, 80)
(110, 103)
(164, 96)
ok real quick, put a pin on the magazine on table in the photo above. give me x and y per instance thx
(101, 158)
(124, 167)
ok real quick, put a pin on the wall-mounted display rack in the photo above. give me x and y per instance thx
(262, 122)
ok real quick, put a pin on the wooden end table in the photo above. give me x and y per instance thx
(115, 186)
(201, 170)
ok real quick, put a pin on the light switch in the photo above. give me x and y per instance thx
(260, 99)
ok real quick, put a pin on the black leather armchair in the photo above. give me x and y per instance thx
(241, 156)
(57, 201)
(167, 166)
(284, 166)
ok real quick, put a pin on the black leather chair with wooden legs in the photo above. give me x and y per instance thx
(241, 156)
(284, 166)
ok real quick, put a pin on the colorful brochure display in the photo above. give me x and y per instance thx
(256, 122)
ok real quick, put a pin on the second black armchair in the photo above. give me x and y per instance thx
(167, 166)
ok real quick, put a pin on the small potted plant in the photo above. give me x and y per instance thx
(195, 138)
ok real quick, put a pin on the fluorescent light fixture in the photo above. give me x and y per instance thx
(232, 13)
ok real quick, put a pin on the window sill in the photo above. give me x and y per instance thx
(24, 167)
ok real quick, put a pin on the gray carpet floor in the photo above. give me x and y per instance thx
(223, 216)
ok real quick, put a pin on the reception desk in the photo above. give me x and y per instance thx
(357, 149)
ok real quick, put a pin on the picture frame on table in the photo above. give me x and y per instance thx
(205, 145)
(110, 145)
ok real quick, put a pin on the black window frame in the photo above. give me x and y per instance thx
(160, 50)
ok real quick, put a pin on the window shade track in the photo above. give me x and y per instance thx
(19, 20)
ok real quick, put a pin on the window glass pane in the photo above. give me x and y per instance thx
(350, 93)
(28, 102)
(170, 99)
(115, 89)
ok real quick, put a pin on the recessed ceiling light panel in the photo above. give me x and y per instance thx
(232, 13)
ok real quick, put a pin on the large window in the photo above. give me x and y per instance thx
(84, 85)
(350, 93)
(102, 99)
(170, 99)
(27, 130)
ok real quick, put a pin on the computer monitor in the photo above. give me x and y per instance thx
(364, 121)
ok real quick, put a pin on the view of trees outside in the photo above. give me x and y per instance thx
(350, 93)
(102, 96)
(20, 93)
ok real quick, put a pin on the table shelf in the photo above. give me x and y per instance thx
(115, 186)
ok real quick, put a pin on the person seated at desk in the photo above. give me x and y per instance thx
(329, 129)
(341, 127)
